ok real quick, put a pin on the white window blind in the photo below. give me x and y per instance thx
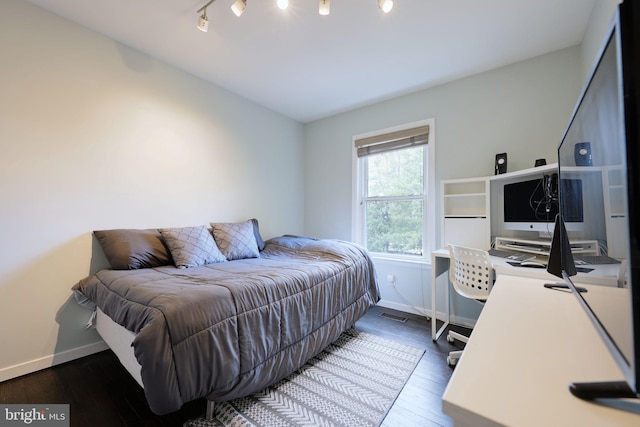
(392, 141)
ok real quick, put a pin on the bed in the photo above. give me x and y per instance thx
(228, 325)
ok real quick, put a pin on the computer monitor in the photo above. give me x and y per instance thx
(532, 205)
(607, 117)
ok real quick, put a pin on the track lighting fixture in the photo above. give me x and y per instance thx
(385, 5)
(239, 6)
(203, 21)
(283, 4)
(325, 7)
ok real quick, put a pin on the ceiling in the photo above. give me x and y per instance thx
(308, 66)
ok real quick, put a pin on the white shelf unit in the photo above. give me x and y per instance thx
(613, 200)
(550, 168)
(472, 208)
(615, 211)
(468, 203)
(466, 210)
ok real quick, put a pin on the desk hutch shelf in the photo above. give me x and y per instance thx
(466, 206)
(466, 210)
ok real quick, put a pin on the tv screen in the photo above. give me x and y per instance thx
(601, 147)
(532, 205)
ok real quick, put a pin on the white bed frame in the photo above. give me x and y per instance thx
(120, 342)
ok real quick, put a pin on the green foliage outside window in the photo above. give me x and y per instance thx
(394, 201)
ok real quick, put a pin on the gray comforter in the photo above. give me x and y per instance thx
(229, 329)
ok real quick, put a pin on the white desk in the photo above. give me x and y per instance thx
(605, 274)
(527, 346)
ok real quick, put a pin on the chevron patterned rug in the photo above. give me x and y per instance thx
(353, 382)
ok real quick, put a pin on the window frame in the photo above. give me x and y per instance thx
(429, 198)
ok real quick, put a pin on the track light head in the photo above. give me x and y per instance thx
(203, 22)
(283, 4)
(325, 7)
(385, 5)
(238, 7)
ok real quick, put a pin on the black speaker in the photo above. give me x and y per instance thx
(501, 163)
(583, 154)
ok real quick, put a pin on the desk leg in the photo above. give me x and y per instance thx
(439, 265)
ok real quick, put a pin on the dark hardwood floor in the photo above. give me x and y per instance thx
(419, 403)
(102, 393)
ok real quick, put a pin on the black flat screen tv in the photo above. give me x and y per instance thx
(601, 146)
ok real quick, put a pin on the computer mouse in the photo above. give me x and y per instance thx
(532, 264)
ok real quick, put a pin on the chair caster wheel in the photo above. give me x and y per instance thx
(450, 338)
(451, 362)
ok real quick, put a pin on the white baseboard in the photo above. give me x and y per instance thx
(456, 320)
(51, 360)
(404, 308)
(461, 321)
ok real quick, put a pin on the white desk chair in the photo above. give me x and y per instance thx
(471, 273)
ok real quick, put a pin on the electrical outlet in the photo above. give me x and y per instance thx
(391, 278)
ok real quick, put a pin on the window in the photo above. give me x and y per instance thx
(393, 190)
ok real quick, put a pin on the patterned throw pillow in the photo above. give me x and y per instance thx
(236, 240)
(191, 246)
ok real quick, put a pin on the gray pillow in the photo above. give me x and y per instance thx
(131, 249)
(256, 232)
(191, 246)
(236, 240)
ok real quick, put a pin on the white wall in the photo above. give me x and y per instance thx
(521, 109)
(95, 135)
(599, 23)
